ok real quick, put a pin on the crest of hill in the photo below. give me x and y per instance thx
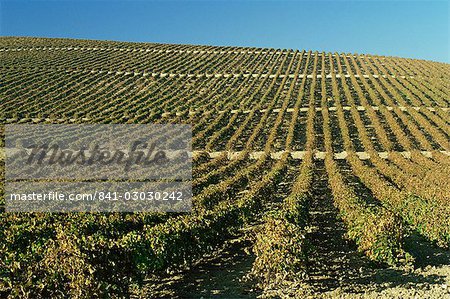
(7, 42)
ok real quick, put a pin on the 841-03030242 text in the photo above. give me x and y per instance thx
(99, 196)
(98, 168)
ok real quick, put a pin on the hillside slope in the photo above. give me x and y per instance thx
(315, 174)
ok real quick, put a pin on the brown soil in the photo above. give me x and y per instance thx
(336, 269)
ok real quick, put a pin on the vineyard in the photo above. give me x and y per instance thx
(314, 174)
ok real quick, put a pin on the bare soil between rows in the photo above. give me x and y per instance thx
(336, 268)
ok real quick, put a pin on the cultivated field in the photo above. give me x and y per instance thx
(315, 174)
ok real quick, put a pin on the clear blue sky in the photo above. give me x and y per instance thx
(417, 29)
